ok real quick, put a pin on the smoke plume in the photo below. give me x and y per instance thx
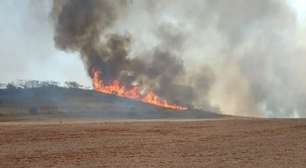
(85, 27)
(241, 56)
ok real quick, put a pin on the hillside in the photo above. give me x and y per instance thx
(68, 102)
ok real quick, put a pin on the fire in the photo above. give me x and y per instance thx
(132, 92)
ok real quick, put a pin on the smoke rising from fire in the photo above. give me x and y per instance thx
(83, 26)
(243, 57)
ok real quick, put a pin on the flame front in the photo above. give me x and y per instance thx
(132, 92)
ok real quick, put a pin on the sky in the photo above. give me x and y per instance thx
(27, 48)
(300, 8)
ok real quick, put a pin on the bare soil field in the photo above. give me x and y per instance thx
(212, 143)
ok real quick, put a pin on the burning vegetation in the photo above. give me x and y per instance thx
(132, 92)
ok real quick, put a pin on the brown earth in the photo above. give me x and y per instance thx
(213, 143)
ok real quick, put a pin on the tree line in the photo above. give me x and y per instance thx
(28, 84)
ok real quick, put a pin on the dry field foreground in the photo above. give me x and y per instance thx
(220, 143)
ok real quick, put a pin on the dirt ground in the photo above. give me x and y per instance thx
(213, 143)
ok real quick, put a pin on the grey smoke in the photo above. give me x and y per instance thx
(241, 56)
(82, 26)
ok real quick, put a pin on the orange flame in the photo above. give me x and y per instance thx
(133, 92)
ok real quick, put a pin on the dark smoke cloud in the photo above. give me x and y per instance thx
(82, 26)
(242, 56)
(80, 23)
(79, 27)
